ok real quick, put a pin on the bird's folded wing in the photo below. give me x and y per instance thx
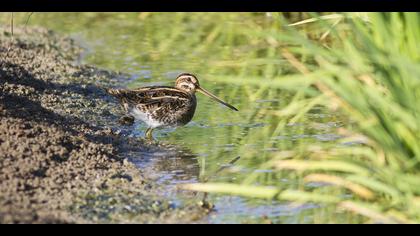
(155, 95)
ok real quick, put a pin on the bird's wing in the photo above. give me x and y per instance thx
(150, 95)
(161, 100)
(153, 97)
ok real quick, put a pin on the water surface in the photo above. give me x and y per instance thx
(153, 50)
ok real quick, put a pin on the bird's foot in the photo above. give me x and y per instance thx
(149, 141)
(126, 120)
(152, 142)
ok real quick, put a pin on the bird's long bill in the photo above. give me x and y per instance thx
(207, 93)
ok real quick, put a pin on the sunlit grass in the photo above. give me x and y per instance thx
(372, 76)
(360, 69)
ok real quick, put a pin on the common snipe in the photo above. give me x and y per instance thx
(163, 106)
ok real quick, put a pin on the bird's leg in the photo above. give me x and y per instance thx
(149, 135)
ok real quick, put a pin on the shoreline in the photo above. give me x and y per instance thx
(61, 162)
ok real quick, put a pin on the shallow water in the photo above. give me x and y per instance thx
(127, 43)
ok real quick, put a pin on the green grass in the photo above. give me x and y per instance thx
(367, 70)
(361, 69)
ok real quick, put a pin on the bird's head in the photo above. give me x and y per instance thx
(189, 83)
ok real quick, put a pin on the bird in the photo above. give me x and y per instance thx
(163, 106)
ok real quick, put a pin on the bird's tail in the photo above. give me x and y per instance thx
(115, 92)
(120, 95)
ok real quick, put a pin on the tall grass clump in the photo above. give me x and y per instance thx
(367, 69)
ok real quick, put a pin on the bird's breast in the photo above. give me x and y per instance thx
(188, 112)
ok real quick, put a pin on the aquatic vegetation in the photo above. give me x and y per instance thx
(328, 111)
(369, 72)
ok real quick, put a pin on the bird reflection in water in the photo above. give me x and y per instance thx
(168, 164)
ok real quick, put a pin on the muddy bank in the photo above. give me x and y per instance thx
(59, 163)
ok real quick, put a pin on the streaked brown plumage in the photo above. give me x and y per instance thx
(163, 106)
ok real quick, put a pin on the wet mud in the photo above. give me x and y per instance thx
(63, 153)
